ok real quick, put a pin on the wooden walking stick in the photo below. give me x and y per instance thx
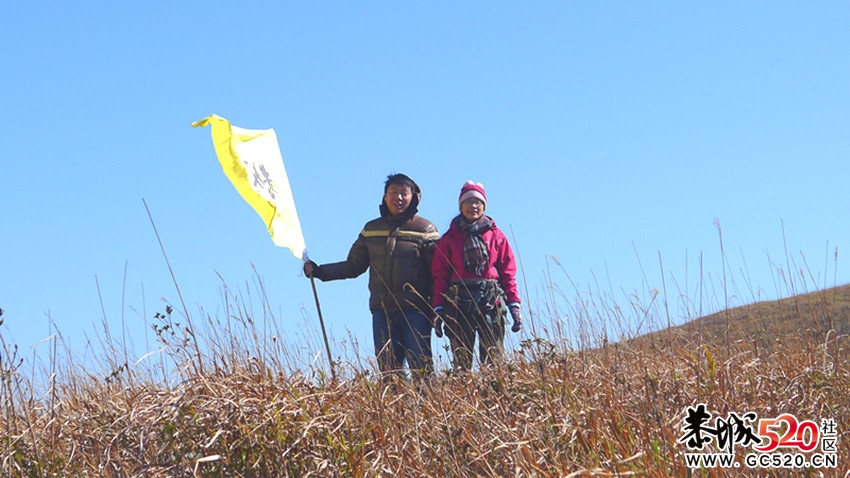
(322, 323)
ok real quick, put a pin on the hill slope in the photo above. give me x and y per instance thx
(240, 409)
(808, 317)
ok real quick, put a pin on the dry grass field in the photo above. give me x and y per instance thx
(240, 405)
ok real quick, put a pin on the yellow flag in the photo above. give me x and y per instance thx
(251, 160)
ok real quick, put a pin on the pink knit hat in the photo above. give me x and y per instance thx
(472, 190)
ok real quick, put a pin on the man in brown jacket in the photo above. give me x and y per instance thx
(397, 248)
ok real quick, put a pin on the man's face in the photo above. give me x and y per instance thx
(397, 199)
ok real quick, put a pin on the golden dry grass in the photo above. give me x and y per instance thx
(241, 408)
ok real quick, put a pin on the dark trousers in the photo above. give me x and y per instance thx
(462, 327)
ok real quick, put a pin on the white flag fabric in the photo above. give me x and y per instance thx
(252, 161)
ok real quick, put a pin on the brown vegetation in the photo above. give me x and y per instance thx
(238, 407)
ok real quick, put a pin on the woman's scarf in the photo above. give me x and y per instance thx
(475, 255)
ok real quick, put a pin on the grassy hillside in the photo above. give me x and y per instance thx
(807, 317)
(240, 407)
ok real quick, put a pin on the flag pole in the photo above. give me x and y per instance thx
(322, 323)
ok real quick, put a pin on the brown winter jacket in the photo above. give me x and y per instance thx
(398, 254)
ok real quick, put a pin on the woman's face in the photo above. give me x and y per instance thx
(397, 199)
(472, 209)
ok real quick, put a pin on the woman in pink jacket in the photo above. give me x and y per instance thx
(474, 275)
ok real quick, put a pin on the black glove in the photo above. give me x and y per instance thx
(438, 324)
(311, 269)
(516, 314)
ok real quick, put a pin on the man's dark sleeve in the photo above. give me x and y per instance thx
(356, 264)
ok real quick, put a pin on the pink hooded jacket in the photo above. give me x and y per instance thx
(448, 263)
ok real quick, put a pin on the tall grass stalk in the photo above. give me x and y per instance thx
(592, 389)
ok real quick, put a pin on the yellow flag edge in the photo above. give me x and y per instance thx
(222, 135)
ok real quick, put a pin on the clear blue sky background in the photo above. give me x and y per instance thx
(609, 135)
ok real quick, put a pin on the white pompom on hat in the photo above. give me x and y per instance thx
(472, 190)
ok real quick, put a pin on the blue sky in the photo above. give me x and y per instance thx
(609, 136)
